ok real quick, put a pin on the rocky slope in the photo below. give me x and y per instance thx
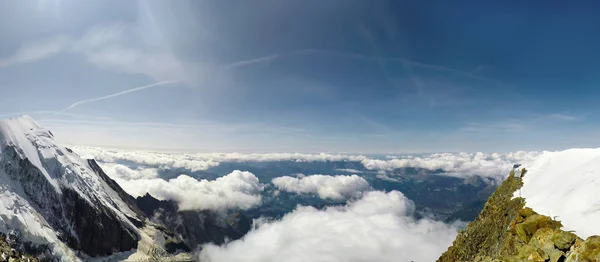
(506, 230)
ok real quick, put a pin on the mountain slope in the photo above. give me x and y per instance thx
(508, 229)
(54, 205)
(50, 196)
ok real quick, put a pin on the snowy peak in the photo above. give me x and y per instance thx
(25, 136)
(55, 199)
(24, 122)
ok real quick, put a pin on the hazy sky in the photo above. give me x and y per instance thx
(307, 76)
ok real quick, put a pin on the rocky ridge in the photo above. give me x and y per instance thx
(506, 230)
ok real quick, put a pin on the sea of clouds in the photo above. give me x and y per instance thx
(241, 189)
(371, 226)
(492, 165)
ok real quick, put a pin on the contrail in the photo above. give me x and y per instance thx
(261, 59)
(357, 56)
(117, 94)
(113, 95)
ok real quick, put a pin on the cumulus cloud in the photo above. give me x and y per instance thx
(378, 227)
(118, 171)
(235, 190)
(494, 165)
(332, 187)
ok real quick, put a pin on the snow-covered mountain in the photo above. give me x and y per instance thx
(55, 200)
(57, 206)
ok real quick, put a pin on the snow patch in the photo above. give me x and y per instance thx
(565, 185)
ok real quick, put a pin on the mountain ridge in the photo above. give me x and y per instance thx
(57, 206)
(507, 230)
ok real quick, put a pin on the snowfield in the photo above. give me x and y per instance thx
(566, 186)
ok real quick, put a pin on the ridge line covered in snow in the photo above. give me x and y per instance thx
(565, 185)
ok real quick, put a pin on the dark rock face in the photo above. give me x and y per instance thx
(99, 232)
(95, 230)
(195, 227)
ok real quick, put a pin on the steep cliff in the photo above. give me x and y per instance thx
(195, 227)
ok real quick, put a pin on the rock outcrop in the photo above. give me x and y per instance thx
(195, 227)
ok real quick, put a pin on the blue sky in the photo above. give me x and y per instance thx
(305, 76)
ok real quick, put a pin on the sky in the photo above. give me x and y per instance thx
(305, 76)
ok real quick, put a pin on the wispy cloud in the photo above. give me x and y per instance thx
(560, 116)
(522, 123)
(505, 126)
(36, 51)
(366, 33)
(106, 46)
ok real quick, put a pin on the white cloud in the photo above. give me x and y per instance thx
(378, 227)
(118, 171)
(235, 190)
(197, 162)
(559, 116)
(350, 170)
(112, 46)
(333, 187)
(154, 159)
(108, 47)
(495, 165)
